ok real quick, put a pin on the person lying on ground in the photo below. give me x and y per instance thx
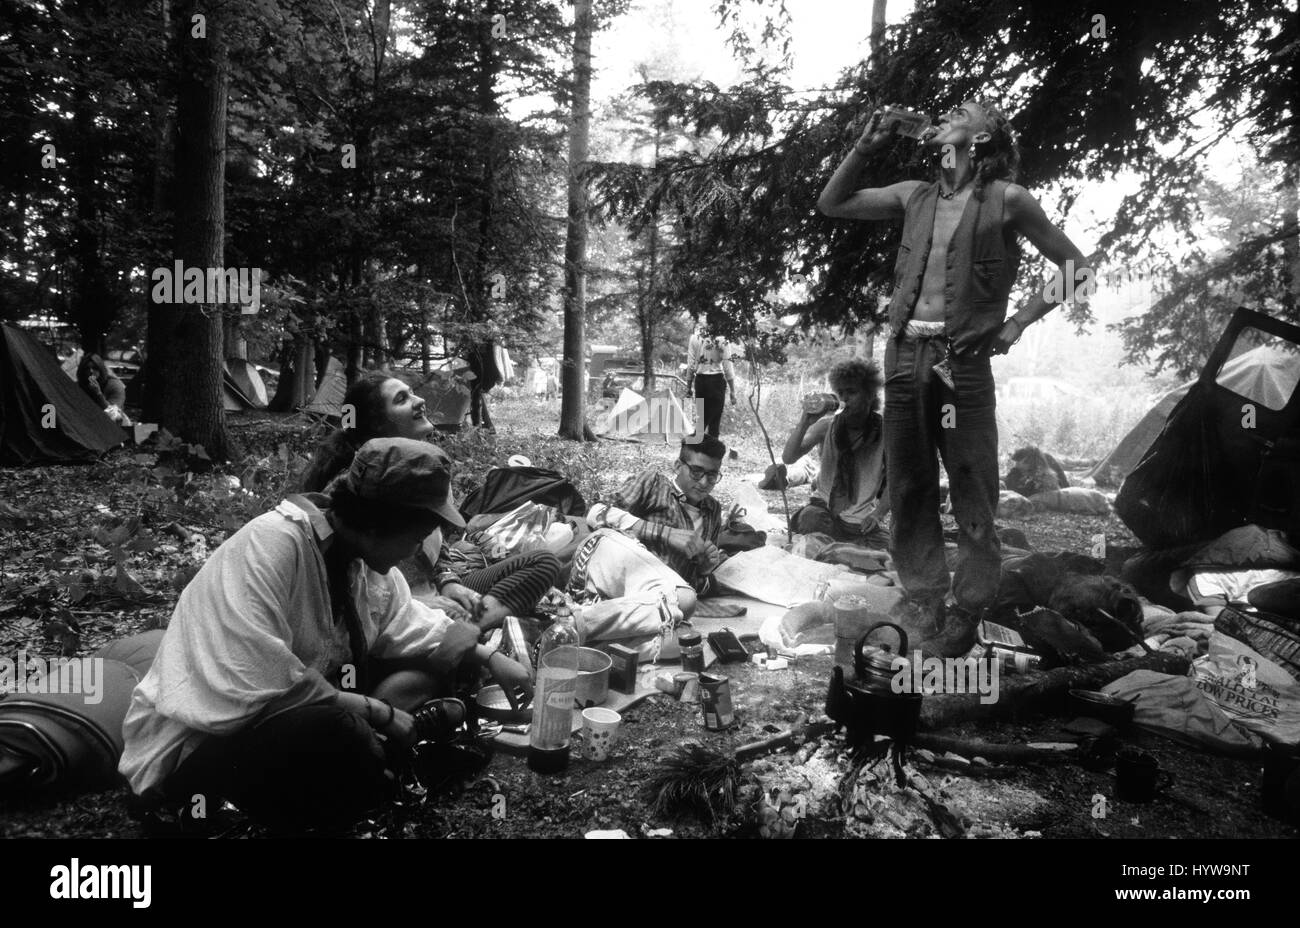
(784, 475)
(848, 502)
(464, 584)
(295, 661)
(676, 517)
(1034, 471)
(956, 267)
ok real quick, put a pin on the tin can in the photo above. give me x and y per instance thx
(692, 647)
(715, 699)
(1015, 660)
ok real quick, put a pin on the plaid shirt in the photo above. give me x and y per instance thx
(655, 499)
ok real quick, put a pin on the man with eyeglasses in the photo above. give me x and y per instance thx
(675, 517)
(652, 553)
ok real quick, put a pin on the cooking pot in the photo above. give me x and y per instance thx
(870, 705)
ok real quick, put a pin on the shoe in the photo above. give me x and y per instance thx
(953, 638)
(438, 719)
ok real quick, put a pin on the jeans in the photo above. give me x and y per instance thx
(924, 416)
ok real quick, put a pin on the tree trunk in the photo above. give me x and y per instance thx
(1290, 276)
(191, 368)
(160, 317)
(574, 402)
(650, 307)
(91, 306)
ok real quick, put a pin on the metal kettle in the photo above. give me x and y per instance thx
(869, 705)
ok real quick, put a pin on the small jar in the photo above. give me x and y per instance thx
(692, 647)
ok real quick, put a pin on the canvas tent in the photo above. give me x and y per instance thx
(32, 380)
(1265, 373)
(1229, 453)
(328, 398)
(658, 417)
(247, 381)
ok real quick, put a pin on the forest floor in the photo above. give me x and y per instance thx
(111, 545)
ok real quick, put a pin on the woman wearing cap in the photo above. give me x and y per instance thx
(466, 584)
(297, 648)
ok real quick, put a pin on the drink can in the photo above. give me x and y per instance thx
(715, 699)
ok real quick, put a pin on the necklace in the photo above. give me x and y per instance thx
(956, 190)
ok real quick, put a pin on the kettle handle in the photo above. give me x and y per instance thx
(859, 667)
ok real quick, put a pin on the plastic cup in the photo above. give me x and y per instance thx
(599, 730)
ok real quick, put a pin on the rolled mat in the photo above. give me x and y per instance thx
(66, 741)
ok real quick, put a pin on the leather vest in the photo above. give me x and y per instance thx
(981, 266)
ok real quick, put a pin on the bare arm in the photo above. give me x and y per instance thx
(807, 434)
(842, 199)
(1075, 275)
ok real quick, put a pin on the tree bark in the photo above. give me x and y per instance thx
(160, 317)
(192, 365)
(574, 400)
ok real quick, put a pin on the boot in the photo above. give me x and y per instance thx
(954, 637)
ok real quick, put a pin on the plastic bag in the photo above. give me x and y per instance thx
(1254, 692)
(527, 527)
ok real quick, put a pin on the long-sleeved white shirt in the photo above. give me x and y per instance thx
(253, 635)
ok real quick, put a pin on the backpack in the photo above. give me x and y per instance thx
(505, 488)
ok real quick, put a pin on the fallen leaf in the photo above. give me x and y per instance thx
(126, 584)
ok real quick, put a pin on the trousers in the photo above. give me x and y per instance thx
(926, 420)
(712, 389)
(631, 595)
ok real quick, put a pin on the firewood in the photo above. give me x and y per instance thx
(1041, 692)
(995, 753)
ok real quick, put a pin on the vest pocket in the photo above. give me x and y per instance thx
(986, 274)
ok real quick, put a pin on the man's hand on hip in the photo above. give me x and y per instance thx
(1008, 335)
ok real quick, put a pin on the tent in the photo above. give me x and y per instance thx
(33, 385)
(328, 398)
(446, 399)
(1229, 452)
(658, 417)
(1266, 374)
(247, 381)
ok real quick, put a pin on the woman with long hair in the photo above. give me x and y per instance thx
(382, 406)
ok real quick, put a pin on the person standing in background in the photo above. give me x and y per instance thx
(710, 375)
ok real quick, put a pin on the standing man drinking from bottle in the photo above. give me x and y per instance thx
(956, 265)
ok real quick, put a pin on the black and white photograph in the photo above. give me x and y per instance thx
(651, 420)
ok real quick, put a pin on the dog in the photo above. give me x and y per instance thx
(1034, 471)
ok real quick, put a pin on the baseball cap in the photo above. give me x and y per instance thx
(405, 472)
